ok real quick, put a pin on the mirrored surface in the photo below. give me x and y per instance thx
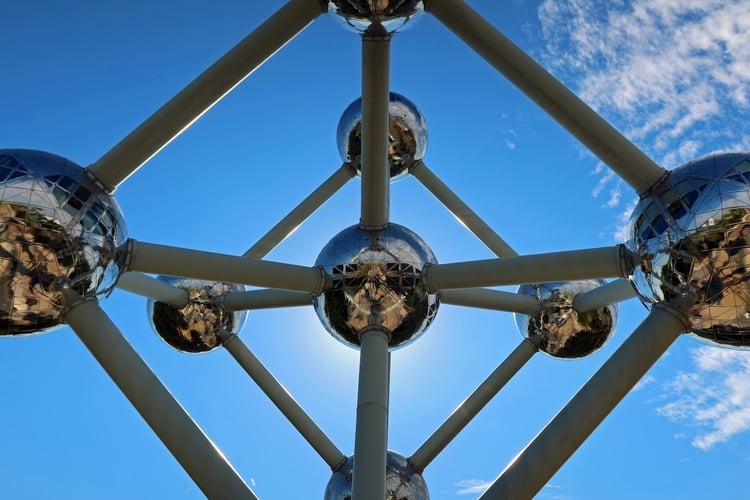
(561, 331)
(195, 328)
(55, 224)
(376, 282)
(376, 17)
(692, 233)
(403, 481)
(407, 135)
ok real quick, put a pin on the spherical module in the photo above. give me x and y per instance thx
(561, 331)
(691, 232)
(377, 281)
(407, 135)
(196, 327)
(402, 480)
(382, 17)
(56, 225)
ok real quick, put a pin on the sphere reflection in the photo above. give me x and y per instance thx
(376, 282)
(56, 225)
(562, 331)
(196, 327)
(376, 17)
(407, 135)
(402, 480)
(692, 233)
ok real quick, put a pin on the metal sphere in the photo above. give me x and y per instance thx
(402, 480)
(376, 282)
(561, 331)
(195, 328)
(691, 232)
(376, 17)
(407, 135)
(56, 225)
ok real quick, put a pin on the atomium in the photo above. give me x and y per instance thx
(692, 235)
(558, 328)
(402, 480)
(376, 17)
(196, 327)
(376, 282)
(407, 135)
(56, 225)
(60, 230)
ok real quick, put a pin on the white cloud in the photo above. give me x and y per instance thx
(672, 75)
(470, 486)
(648, 379)
(714, 398)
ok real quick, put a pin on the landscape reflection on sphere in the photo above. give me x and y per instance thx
(377, 281)
(376, 17)
(561, 331)
(403, 481)
(196, 327)
(56, 225)
(407, 135)
(691, 232)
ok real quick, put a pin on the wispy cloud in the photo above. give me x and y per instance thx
(713, 398)
(471, 486)
(673, 75)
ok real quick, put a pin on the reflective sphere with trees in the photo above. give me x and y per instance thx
(56, 226)
(691, 233)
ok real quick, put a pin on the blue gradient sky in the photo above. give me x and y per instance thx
(78, 76)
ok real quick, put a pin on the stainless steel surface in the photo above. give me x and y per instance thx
(376, 16)
(692, 234)
(196, 326)
(403, 481)
(407, 135)
(376, 281)
(55, 225)
(557, 328)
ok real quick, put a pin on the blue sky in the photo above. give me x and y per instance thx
(672, 75)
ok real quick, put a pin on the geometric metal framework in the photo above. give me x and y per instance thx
(384, 289)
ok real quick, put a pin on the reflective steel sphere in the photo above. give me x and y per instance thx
(562, 331)
(56, 225)
(692, 233)
(376, 282)
(196, 327)
(402, 481)
(407, 134)
(376, 17)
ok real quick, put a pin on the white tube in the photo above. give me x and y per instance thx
(200, 458)
(152, 288)
(637, 169)
(469, 409)
(173, 261)
(604, 262)
(206, 90)
(300, 213)
(376, 178)
(561, 437)
(371, 433)
(495, 300)
(613, 292)
(461, 210)
(283, 401)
